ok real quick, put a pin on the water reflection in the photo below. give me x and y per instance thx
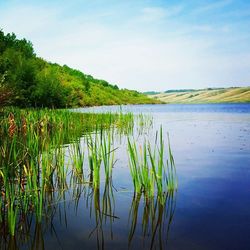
(102, 207)
(154, 216)
(155, 220)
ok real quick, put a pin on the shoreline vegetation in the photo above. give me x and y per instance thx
(27, 80)
(203, 96)
(55, 151)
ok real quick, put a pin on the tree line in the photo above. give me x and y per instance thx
(27, 80)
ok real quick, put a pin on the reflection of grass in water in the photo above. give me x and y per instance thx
(156, 219)
(104, 212)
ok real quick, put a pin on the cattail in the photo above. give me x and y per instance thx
(24, 125)
(12, 124)
(23, 183)
(41, 126)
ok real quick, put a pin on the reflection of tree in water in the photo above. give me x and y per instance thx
(156, 219)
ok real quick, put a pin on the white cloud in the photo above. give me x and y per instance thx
(153, 13)
(212, 6)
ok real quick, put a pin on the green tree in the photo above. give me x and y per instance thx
(49, 92)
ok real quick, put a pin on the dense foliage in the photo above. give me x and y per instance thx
(29, 81)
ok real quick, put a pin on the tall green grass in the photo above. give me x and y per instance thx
(34, 162)
(44, 153)
(149, 169)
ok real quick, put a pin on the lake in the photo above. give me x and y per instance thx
(210, 144)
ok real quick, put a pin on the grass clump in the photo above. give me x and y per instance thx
(149, 170)
(41, 153)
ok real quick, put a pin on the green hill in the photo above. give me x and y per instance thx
(29, 81)
(218, 95)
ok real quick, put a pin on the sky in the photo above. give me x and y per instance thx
(140, 44)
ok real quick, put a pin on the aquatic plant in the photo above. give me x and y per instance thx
(46, 155)
(33, 161)
(149, 169)
(95, 158)
(107, 152)
(141, 173)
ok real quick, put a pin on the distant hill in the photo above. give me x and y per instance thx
(210, 95)
(151, 93)
(29, 81)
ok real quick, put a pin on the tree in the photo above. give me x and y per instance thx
(86, 85)
(49, 92)
(6, 95)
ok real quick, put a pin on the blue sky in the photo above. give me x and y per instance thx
(143, 45)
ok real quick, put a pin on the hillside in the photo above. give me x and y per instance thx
(29, 81)
(223, 95)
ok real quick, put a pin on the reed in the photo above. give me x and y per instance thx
(140, 171)
(44, 153)
(33, 161)
(95, 158)
(149, 169)
(107, 152)
(77, 158)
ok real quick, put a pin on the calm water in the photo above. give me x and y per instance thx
(211, 209)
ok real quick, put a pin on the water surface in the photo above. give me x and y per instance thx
(210, 210)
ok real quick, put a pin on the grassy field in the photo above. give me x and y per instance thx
(227, 95)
